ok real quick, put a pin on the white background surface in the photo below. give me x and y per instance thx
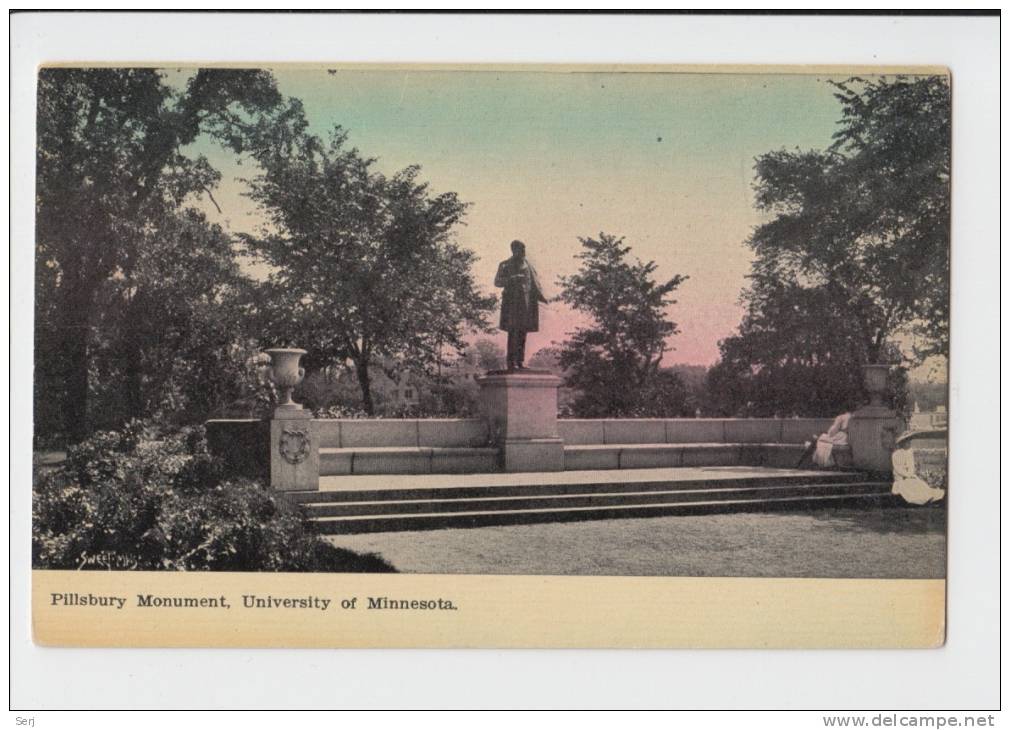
(964, 675)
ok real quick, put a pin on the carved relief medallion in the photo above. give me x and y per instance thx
(294, 445)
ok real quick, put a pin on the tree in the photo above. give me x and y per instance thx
(694, 378)
(796, 353)
(110, 165)
(170, 336)
(614, 363)
(868, 220)
(854, 257)
(365, 266)
(547, 358)
(489, 355)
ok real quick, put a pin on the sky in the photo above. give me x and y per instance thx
(663, 159)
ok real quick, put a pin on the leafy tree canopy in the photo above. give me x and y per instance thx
(547, 358)
(854, 257)
(488, 354)
(113, 183)
(798, 354)
(868, 219)
(614, 362)
(365, 266)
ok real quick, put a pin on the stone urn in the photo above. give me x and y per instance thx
(875, 380)
(286, 373)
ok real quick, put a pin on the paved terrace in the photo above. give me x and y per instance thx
(685, 474)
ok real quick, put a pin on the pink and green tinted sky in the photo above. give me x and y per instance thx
(664, 159)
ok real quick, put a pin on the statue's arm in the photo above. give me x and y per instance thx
(499, 277)
(538, 293)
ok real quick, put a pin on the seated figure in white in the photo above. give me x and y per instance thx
(819, 450)
(908, 484)
(837, 435)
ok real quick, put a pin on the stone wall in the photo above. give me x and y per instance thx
(349, 433)
(472, 432)
(242, 441)
(691, 430)
(381, 446)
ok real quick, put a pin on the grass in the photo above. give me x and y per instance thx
(904, 542)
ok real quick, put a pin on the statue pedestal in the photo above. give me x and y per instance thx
(294, 457)
(872, 433)
(521, 407)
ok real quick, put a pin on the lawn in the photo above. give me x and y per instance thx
(905, 542)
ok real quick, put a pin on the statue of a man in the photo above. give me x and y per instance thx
(520, 302)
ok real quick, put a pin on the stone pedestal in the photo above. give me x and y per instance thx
(294, 455)
(872, 433)
(521, 408)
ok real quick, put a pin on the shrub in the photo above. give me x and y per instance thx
(322, 391)
(451, 400)
(146, 500)
(341, 412)
(438, 401)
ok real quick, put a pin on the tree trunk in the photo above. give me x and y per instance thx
(364, 381)
(133, 356)
(74, 334)
(134, 377)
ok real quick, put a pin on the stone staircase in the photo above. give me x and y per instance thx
(355, 504)
(378, 475)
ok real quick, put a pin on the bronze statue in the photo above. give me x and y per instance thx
(520, 302)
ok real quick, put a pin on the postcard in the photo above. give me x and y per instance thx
(491, 356)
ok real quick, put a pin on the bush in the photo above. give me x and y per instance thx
(447, 400)
(341, 412)
(145, 500)
(320, 391)
(451, 400)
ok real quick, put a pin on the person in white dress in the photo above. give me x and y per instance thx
(819, 449)
(908, 484)
(837, 435)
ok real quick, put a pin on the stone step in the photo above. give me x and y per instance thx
(402, 459)
(481, 518)
(673, 455)
(566, 501)
(372, 488)
(482, 460)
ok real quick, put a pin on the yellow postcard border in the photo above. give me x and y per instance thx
(489, 611)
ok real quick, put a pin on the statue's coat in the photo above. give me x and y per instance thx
(520, 308)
